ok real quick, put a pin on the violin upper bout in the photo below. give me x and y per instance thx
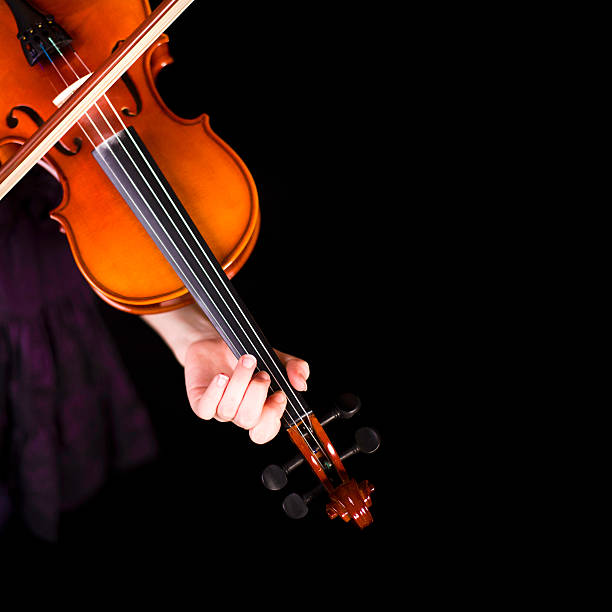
(351, 501)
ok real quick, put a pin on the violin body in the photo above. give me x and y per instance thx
(111, 248)
(158, 210)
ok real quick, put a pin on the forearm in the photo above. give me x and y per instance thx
(182, 327)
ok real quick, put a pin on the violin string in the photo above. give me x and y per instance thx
(243, 350)
(66, 83)
(232, 345)
(287, 415)
(303, 418)
(102, 115)
(135, 144)
(119, 181)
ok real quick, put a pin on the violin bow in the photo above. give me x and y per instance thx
(348, 499)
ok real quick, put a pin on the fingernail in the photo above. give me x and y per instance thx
(248, 361)
(263, 376)
(304, 386)
(222, 380)
(280, 398)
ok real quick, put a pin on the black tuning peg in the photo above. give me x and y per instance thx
(367, 441)
(346, 406)
(296, 506)
(274, 477)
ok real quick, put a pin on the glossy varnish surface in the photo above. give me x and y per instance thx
(110, 246)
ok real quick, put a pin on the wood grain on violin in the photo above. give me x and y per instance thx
(112, 250)
(158, 210)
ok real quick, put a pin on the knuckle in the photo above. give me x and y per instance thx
(228, 405)
(247, 415)
(246, 422)
(226, 411)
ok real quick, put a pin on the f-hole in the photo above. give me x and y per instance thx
(127, 80)
(13, 122)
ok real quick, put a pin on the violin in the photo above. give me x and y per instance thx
(149, 230)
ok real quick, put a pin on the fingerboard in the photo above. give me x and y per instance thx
(134, 173)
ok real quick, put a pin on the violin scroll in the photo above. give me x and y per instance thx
(352, 501)
(347, 499)
(274, 477)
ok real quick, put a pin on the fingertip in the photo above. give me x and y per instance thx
(298, 382)
(221, 380)
(300, 366)
(270, 422)
(298, 371)
(262, 376)
(202, 410)
(248, 361)
(257, 436)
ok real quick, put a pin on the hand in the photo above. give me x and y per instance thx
(218, 385)
(222, 387)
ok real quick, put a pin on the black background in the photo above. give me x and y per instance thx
(304, 101)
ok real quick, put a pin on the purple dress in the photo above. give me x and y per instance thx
(69, 413)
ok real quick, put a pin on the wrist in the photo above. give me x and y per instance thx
(182, 327)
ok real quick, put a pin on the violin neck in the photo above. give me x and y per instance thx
(134, 173)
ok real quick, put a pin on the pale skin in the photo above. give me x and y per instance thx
(218, 385)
